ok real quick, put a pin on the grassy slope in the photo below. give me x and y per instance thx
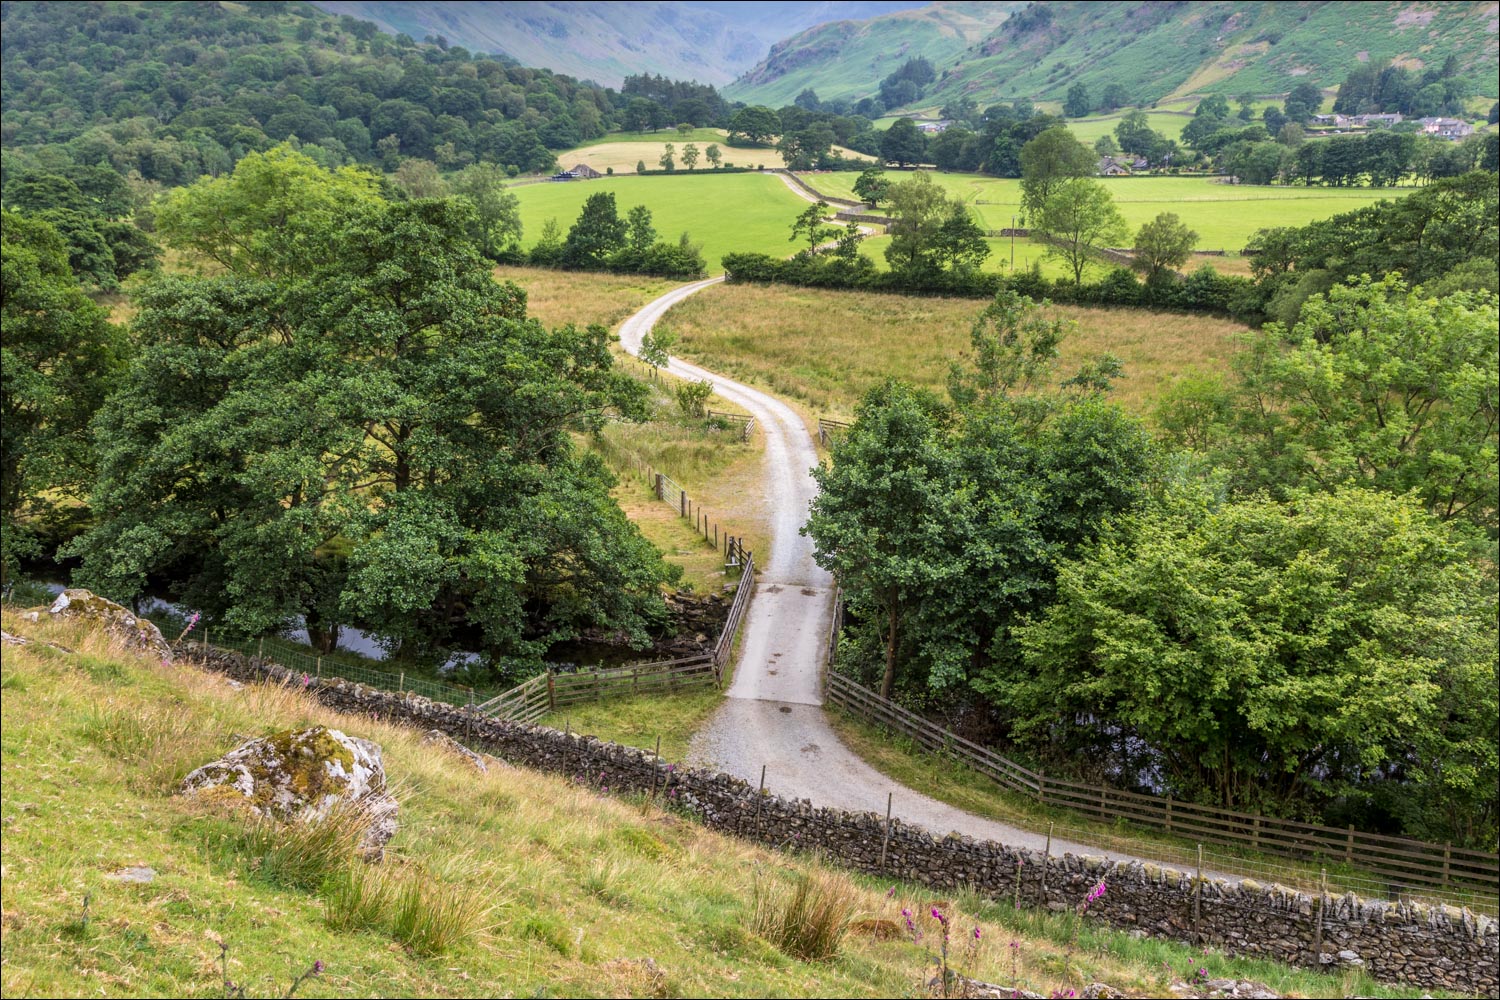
(826, 348)
(1228, 47)
(580, 888)
(849, 58)
(726, 213)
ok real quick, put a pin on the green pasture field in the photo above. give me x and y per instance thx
(728, 213)
(1168, 123)
(1224, 216)
(999, 260)
(669, 134)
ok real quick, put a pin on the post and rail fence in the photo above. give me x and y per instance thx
(545, 693)
(829, 429)
(1398, 865)
(745, 423)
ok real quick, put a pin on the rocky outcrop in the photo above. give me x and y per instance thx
(301, 777)
(118, 622)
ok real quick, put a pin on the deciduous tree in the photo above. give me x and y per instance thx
(1079, 219)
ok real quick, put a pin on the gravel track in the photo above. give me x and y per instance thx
(772, 715)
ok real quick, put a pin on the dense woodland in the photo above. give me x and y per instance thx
(1279, 594)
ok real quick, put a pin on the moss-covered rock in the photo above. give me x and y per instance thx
(298, 777)
(119, 622)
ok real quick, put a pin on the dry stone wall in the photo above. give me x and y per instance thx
(1431, 947)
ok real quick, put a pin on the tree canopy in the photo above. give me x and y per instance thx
(1272, 657)
(370, 432)
(61, 357)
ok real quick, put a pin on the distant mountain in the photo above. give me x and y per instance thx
(606, 42)
(847, 59)
(1152, 49)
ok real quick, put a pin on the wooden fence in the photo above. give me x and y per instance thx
(1403, 866)
(745, 423)
(827, 429)
(548, 692)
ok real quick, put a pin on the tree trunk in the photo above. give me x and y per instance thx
(889, 680)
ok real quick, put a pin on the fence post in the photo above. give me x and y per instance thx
(759, 798)
(1046, 860)
(1169, 814)
(1198, 896)
(1447, 856)
(886, 840)
(319, 668)
(401, 684)
(551, 693)
(261, 655)
(1318, 924)
(682, 503)
(1349, 845)
(1255, 833)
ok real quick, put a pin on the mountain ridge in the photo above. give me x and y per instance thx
(706, 42)
(1155, 49)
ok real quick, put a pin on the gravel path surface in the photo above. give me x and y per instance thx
(772, 715)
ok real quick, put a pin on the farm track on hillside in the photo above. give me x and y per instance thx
(772, 716)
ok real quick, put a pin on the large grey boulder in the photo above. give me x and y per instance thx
(118, 622)
(301, 777)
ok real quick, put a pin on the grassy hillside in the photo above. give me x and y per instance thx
(1155, 50)
(730, 212)
(506, 883)
(849, 58)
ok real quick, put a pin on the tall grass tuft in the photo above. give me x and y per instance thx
(807, 919)
(304, 855)
(157, 747)
(432, 916)
(358, 898)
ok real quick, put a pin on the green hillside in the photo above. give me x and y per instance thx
(846, 59)
(1154, 49)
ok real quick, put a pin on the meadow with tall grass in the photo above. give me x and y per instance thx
(827, 348)
(506, 882)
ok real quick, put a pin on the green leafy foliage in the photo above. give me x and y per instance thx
(1275, 656)
(943, 523)
(368, 429)
(1379, 385)
(61, 357)
(1163, 245)
(1079, 219)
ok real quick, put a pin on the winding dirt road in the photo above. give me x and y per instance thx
(772, 714)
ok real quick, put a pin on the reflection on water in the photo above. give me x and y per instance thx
(351, 640)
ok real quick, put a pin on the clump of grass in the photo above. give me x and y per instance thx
(304, 855)
(429, 914)
(358, 898)
(434, 916)
(807, 918)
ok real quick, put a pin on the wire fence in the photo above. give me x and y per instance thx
(315, 666)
